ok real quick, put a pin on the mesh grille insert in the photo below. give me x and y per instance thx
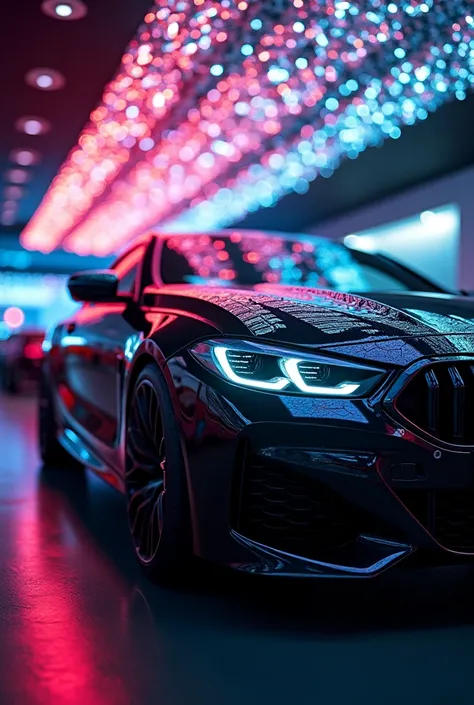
(447, 514)
(287, 510)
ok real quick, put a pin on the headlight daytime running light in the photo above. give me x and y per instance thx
(273, 369)
(343, 389)
(275, 385)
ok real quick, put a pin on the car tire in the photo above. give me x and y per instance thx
(51, 451)
(156, 486)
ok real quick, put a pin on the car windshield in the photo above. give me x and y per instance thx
(251, 259)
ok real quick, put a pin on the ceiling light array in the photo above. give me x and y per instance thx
(44, 79)
(19, 174)
(221, 108)
(14, 179)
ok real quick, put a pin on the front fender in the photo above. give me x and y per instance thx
(170, 332)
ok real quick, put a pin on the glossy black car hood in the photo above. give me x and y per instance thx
(304, 316)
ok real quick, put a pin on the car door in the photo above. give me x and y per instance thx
(93, 347)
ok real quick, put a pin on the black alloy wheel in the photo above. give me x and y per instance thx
(157, 501)
(146, 468)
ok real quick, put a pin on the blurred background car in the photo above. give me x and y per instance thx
(20, 360)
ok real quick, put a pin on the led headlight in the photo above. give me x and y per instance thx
(272, 369)
(236, 366)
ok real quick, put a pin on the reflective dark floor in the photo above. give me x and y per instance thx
(79, 623)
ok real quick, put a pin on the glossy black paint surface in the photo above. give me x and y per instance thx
(93, 286)
(359, 450)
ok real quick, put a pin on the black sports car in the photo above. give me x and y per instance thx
(278, 404)
(20, 359)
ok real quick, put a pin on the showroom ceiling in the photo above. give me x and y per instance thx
(86, 53)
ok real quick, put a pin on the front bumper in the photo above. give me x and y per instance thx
(296, 486)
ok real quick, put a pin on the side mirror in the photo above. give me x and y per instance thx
(95, 286)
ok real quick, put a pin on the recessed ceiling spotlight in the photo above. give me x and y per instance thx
(13, 192)
(8, 217)
(45, 79)
(24, 157)
(63, 10)
(70, 10)
(17, 176)
(32, 125)
(10, 205)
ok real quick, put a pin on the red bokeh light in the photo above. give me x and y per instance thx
(33, 351)
(252, 257)
(227, 274)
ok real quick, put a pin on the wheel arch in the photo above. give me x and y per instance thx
(147, 353)
(150, 353)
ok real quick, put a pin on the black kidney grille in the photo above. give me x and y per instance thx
(287, 510)
(448, 515)
(439, 400)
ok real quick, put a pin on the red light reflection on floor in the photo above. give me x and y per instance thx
(57, 641)
(63, 615)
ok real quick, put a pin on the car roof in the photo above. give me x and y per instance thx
(227, 232)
